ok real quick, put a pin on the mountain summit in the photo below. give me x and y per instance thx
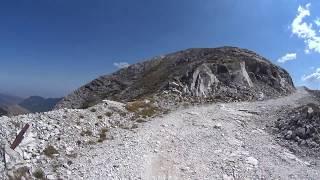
(201, 74)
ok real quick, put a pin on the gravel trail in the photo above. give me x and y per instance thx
(218, 141)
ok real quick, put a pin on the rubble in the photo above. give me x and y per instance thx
(302, 126)
(54, 138)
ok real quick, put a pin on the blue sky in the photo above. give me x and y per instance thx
(51, 47)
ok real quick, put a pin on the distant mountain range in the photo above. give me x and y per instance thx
(13, 105)
(9, 100)
(39, 104)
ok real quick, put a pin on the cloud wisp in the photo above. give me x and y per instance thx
(313, 77)
(306, 31)
(121, 65)
(317, 21)
(287, 57)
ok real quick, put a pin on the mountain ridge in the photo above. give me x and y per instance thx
(196, 74)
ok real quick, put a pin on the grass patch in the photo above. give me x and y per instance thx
(38, 174)
(50, 151)
(103, 134)
(19, 173)
(142, 108)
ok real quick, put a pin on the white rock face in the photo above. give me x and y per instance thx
(203, 80)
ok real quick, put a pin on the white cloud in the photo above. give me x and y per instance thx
(287, 57)
(121, 65)
(305, 30)
(317, 21)
(313, 77)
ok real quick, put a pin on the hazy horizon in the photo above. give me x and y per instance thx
(50, 48)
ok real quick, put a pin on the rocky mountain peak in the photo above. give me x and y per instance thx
(198, 74)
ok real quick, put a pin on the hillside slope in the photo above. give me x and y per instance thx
(194, 75)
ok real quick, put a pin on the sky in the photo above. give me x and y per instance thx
(51, 47)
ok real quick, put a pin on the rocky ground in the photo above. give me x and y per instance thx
(216, 141)
(300, 127)
(220, 141)
(54, 138)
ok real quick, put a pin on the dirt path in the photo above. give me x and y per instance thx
(220, 141)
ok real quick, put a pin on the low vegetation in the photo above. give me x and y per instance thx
(142, 108)
(50, 151)
(103, 134)
(20, 173)
(38, 174)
